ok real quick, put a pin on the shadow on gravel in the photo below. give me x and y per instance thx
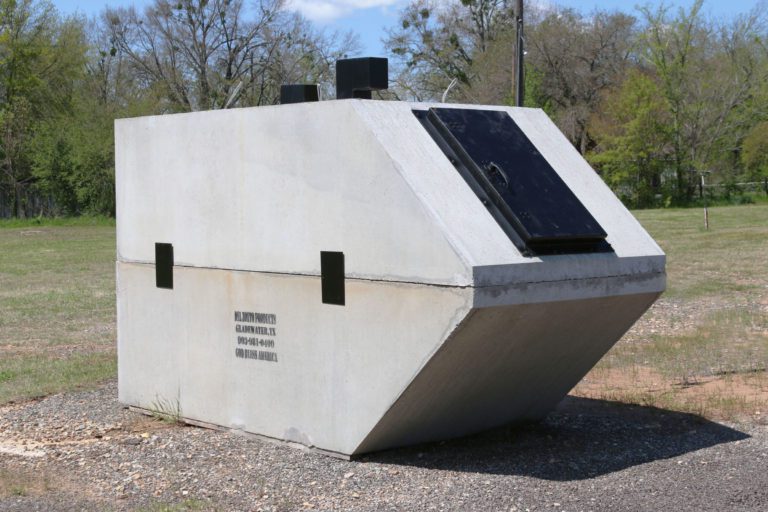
(582, 438)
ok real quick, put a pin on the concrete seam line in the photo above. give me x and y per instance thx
(395, 281)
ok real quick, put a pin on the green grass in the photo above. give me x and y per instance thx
(711, 324)
(28, 376)
(724, 342)
(57, 306)
(722, 272)
(728, 259)
(57, 221)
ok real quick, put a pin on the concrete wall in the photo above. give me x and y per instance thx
(447, 329)
(337, 370)
(267, 189)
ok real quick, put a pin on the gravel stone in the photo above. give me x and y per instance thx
(85, 451)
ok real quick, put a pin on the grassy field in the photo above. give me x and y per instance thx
(57, 306)
(703, 348)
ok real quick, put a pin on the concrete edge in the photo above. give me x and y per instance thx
(490, 286)
(244, 433)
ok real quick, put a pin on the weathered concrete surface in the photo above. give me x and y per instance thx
(470, 228)
(505, 365)
(447, 328)
(266, 189)
(337, 368)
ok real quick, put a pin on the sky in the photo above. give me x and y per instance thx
(371, 18)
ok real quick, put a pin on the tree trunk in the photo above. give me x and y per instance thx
(14, 200)
(17, 192)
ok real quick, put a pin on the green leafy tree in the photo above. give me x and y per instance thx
(635, 140)
(73, 158)
(72, 153)
(707, 74)
(754, 154)
(41, 58)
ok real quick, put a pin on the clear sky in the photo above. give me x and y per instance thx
(370, 18)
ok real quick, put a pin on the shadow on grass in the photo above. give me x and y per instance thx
(583, 438)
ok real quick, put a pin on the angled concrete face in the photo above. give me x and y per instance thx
(505, 364)
(446, 328)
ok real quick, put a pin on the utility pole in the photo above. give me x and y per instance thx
(519, 72)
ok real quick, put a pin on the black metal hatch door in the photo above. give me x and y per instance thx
(526, 196)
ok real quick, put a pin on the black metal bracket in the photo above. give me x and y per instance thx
(332, 277)
(164, 266)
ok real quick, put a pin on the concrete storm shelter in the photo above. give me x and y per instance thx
(354, 275)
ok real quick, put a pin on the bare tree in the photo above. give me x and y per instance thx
(205, 54)
(438, 43)
(298, 53)
(578, 58)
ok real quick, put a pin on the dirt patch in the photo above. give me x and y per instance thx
(735, 397)
(19, 482)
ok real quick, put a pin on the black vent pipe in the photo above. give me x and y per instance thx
(299, 93)
(356, 78)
